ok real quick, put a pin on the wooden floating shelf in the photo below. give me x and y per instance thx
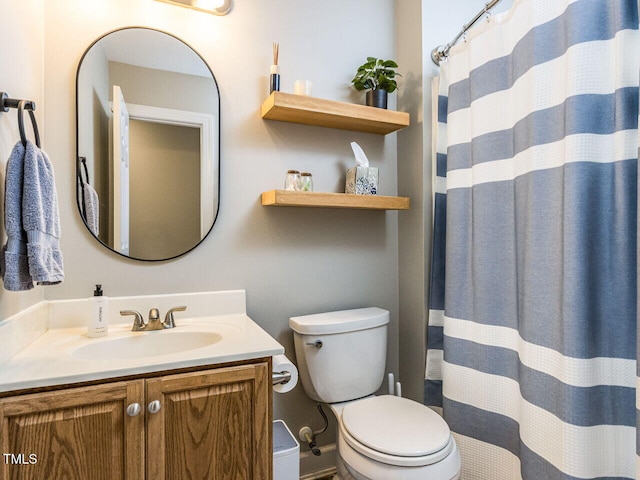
(287, 198)
(287, 107)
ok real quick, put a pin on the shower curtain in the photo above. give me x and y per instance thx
(532, 336)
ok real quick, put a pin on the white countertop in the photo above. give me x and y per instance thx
(50, 360)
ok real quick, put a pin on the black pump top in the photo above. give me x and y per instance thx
(98, 291)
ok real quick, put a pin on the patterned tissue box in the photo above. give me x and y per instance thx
(362, 181)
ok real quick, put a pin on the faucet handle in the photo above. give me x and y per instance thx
(138, 322)
(168, 318)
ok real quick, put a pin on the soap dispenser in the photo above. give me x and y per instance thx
(98, 321)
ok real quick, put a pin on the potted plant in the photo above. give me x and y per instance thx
(377, 77)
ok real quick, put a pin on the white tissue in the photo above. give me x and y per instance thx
(361, 179)
(361, 157)
(281, 363)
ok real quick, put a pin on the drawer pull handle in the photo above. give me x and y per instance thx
(154, 407)
(134, 409)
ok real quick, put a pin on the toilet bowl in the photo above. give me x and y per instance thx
(341, 360)
(393, 438)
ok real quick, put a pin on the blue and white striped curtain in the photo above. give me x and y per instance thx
(532, 338)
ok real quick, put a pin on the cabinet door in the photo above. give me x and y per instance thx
(73, 434)
(213, 425)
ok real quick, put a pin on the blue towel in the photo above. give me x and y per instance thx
(14, 265)
(32, 253)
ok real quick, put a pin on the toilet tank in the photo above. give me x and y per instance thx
(341, 355)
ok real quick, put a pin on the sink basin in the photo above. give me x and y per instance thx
(147, 344)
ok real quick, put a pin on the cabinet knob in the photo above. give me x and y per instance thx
(133, 409)
(154, 407)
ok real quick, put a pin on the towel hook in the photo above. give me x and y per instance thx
(22, 104)
(6, 103)
(86, 170)
(83, 161)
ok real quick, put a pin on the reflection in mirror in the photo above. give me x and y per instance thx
(148, 113)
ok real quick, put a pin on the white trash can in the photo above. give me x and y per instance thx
(286, 453)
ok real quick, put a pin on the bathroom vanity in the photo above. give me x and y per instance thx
(212, 423)
(132, 413)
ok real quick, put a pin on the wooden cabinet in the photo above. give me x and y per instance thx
(213, 425)
(73, 433)
(205, 425)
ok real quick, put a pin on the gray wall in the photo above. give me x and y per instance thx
(413, 175)
(159, 88)
(290, 261)
(165, 189)
(421, 25)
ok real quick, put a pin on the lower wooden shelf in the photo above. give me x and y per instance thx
(287, 198)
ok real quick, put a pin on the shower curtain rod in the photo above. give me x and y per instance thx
(441, 52)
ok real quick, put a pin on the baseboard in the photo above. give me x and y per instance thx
(322, 474)
(318, 467)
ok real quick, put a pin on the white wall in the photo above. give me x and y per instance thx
(21, 76)
(290, 261)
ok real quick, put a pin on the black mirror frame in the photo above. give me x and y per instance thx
(78, 161)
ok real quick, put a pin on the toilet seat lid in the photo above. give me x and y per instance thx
(396, 426)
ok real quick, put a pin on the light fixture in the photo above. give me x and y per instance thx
(215, 7)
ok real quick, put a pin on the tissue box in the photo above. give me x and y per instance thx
(362, 181)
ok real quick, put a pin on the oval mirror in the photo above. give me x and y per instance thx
(148, 144)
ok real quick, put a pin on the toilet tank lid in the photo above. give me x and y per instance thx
(339, 322)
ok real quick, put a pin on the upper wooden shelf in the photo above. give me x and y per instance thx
(286, 198)
(288, 107)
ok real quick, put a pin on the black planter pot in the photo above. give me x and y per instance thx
(377, 98)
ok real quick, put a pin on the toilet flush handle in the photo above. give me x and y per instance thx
(317, 344)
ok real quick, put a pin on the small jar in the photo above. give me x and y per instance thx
(306, 182)
(292, 180)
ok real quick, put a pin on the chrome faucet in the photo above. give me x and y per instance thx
(169, 321)
(154, 322)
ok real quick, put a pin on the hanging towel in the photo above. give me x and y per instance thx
(41, 218)
(14, 266)
(32, 253)
(91, 208)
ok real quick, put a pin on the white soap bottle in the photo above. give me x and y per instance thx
(98, 321)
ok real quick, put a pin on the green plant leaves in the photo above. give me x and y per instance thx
(376, 74)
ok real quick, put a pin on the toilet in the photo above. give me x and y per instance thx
(342, 359)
